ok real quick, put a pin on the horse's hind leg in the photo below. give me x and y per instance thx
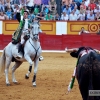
(8, 61)
(17, 64)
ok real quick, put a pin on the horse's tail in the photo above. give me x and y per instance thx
(2, 62)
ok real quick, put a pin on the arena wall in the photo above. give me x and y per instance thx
(60, 42)
(58, 34)
(54, 27)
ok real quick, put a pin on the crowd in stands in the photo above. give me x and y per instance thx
(47, 9)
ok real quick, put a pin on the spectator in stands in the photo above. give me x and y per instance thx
(97, 16)
(45, 3)
(57, 17)
(63, 6)
(25, 8)
(7, 4)
(53, 12)
(45, 10)
(81, 16)
(30, 5)
(87, 2)
(67, 10)
(40, 16)
(83, 5)
(14, 16)
(67, 2)
(83, 31)
(76, 10)
(37, 3)
(9, 13)
(52, 4)
(2, 5)
(15, 9)
(3, 16)
(14, 3)
(96, 9)
(64, 16)
(31, 16)
(82, 10)
(92, 5)
(36, 10)
(23, 2)
(98, 4)
(48, 16)
(96, 1)
(90, 16)
(78, 3)
(73, 16)
(73, 5)
(88, 10)
(7, 7)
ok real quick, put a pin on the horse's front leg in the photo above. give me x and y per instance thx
(35, 71)
(30, 67)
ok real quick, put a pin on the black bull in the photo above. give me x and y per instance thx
(88, 75)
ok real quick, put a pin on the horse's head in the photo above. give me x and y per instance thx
(35, 30)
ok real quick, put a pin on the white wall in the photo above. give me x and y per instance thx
(1, 27)
(61, 28)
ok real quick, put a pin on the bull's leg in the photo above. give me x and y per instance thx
(17, 64)
(30, 67)
(35, 72)
(8, 61)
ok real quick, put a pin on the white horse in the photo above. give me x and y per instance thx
(32, 52)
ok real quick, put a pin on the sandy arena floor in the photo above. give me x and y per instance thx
(53, 77)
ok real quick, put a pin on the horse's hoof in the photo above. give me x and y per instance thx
(26, 77)
(15, 82)
(8, 84)
(34, 85)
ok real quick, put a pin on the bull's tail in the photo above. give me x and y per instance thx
(2, 62)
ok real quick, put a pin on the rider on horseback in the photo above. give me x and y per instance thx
(23, 31)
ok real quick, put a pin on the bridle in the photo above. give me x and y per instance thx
(34, 34)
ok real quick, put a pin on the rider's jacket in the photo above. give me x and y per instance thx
(24, 24)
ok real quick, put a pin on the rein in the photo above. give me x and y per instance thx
(36, 50)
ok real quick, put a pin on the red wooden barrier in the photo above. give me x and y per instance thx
(59, 42)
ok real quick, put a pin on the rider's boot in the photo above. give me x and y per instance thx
(19, 55)
(19, 47)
